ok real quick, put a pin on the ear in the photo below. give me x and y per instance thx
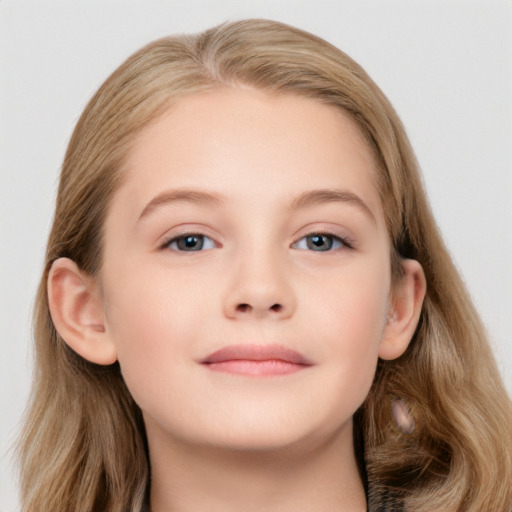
(405, 310)
(76, 308)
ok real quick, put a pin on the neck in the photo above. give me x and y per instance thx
(315, 476)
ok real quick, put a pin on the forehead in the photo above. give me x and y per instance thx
(249, 143)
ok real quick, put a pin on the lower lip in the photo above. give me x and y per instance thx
(257, 368)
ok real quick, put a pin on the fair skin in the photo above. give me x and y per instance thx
(287, 245)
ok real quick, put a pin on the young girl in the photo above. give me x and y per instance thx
(246, 304)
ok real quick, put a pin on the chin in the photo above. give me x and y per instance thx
(272, 433)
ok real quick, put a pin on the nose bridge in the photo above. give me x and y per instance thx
(260, 285)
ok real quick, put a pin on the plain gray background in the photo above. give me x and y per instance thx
(446, 65)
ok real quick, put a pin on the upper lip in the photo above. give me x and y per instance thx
(256, 353)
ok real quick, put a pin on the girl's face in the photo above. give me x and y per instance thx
(249, 224)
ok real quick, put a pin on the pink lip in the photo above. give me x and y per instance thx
(260, 360)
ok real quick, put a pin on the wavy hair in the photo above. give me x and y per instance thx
(83, 447)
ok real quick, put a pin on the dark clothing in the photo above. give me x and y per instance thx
(383, 506)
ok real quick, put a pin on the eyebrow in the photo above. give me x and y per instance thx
(314, 197)
(177, 196)
(304, 200)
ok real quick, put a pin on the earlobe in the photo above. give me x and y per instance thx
(405, 311)
(76, 309)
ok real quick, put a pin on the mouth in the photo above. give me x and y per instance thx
(256, 360)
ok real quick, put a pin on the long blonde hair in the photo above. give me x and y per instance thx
(83, 447)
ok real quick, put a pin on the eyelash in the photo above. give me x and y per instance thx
(332, 240)
(183, 238)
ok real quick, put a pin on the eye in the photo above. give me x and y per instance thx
(320, 242)
(190, 243)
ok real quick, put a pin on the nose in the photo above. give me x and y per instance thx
(260, 287)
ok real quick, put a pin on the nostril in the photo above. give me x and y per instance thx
(247, 308)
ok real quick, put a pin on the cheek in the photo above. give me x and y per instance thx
(150, 319)
(351, 318)
(149, 303)
(353, 305)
